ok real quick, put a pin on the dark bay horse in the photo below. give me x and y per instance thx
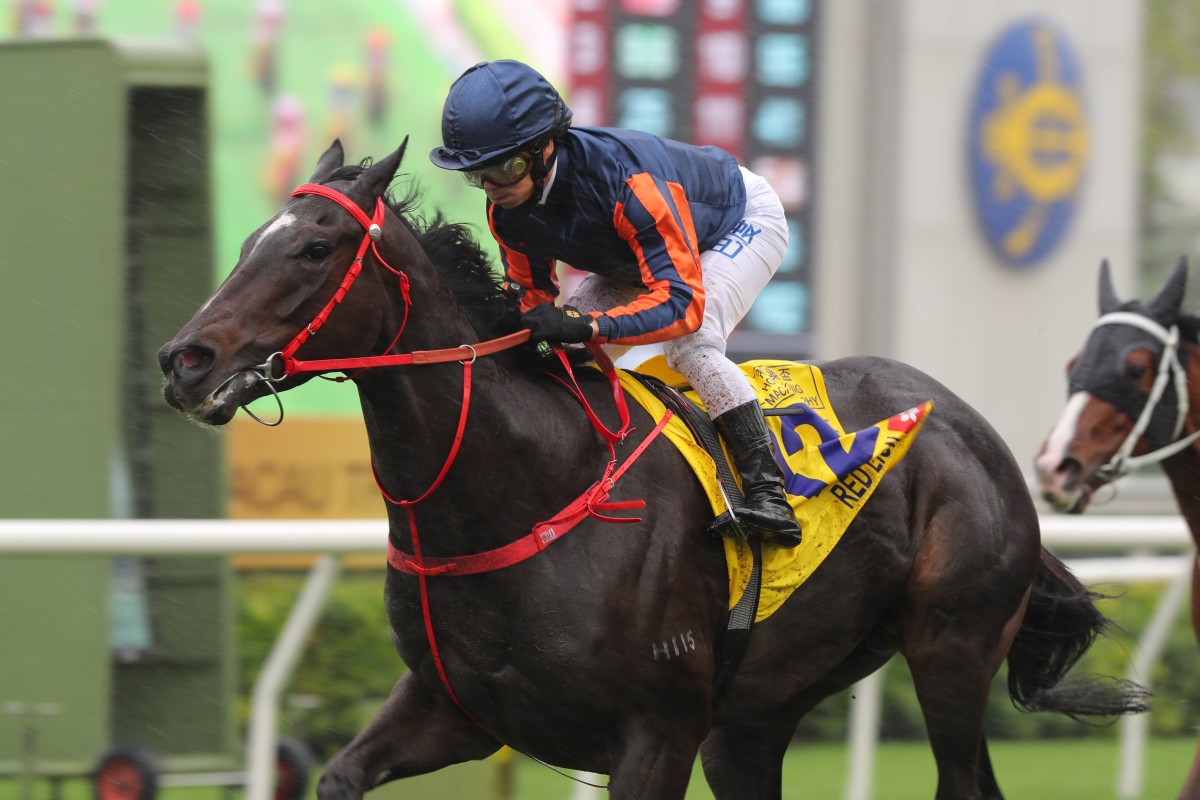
(1133, 402)
(563, 655)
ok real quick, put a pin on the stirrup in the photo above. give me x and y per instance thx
(727, 526)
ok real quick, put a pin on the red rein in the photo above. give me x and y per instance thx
(592, 503)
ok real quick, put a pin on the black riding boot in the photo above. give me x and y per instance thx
(767, 511)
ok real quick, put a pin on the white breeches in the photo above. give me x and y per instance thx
(734, 272)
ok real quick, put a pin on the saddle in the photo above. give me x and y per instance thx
(829, 476)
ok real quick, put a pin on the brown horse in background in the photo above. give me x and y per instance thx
(561, 656)
(1132, 403)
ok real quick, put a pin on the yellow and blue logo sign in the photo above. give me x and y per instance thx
(1029, 142)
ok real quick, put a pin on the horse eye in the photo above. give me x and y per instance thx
(318, 251)
(1135, 372)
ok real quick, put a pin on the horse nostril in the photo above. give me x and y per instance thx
(1072, 470)
(192, 359)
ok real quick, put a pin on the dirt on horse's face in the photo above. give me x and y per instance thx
(288, 270)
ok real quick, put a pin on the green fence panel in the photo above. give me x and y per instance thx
(106, 215)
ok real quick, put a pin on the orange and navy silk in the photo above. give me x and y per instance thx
(635, 208)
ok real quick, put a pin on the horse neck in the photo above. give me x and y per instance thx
(516, 421)
(1183, 470)
(506, 475)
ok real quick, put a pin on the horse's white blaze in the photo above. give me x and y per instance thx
(207, 303)
(1059, 438)
(281, 222)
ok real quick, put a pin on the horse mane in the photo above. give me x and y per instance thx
(492, 309)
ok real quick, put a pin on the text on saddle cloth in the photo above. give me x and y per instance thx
(829, 474)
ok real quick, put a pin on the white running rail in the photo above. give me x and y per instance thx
(1138, 536)
(221, 537)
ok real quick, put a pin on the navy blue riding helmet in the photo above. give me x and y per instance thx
(496, 108)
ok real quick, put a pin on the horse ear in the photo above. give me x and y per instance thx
(374, 182)
(331, 160)
(1166, 304)
(1108, 295)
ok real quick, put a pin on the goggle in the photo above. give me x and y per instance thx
(505, 174)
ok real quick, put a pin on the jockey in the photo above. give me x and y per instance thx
(678, 239)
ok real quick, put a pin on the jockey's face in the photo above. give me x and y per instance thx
(513, 194)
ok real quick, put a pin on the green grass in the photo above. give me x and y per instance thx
(1057, 770)
(1050, 770)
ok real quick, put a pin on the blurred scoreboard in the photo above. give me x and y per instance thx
(738, 74)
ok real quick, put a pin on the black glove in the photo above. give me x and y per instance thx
(550, 323)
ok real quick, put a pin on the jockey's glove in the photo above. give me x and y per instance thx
(551, 323)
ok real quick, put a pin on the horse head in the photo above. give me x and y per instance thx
(1127, 396)
(295, 272)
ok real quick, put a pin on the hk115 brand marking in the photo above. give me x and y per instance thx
(678, 645)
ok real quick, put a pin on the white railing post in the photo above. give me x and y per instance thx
(272, 681)
(1135, 729)
(586, 791)
(866, 712)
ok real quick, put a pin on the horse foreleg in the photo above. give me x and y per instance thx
(416, 731)
(655, 761)
(744, 760)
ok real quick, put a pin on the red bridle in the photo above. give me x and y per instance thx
(284, 363)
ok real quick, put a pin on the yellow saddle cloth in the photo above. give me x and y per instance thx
(829, 474)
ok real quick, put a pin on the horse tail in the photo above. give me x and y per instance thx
(1061, 623)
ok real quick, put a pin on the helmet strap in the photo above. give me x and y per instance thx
(539, 170)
